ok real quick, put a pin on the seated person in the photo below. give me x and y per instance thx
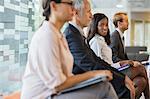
(120, 21)
(85, 59)
(99, 41)
(98, 38)
(49, 65)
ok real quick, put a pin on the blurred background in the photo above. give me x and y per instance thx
(20, 18)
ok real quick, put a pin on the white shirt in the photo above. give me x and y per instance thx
(49, 63)
(102, 50)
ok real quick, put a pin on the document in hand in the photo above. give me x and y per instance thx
(124, 67)
(86, 83)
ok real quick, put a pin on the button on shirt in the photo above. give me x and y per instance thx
(49, 63)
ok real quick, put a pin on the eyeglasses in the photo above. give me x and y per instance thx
(69, 3)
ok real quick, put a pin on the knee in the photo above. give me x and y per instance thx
(108, 86)
(140, 82)
(105, 85)
(142, 68)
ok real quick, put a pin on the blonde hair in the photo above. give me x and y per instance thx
(118, 17)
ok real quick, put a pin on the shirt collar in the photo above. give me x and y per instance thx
(78, 27)
(120, 33)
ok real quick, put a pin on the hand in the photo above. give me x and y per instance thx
(136, 63)
(106, 73)
(130, 85)
(123, 62)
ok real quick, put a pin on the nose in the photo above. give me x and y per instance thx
(105, 27)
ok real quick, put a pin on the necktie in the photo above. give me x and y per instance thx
(123, 39)
(123, 43)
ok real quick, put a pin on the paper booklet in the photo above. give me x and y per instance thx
(124, 67)
(86, 83)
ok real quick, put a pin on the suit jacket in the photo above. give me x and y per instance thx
(118, 52)
(86, 60)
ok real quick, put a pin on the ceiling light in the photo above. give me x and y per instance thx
(119, 6)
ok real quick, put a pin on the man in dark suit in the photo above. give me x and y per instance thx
(117, 39)
(85, 59)
(137, 72)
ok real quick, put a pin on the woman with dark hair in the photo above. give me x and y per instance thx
(99, 40)
(49, 66)
(94, 27)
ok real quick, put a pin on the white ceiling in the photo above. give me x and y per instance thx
(125, 3)
(103, 3)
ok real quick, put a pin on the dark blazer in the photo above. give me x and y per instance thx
(117, 47)
(86, 60)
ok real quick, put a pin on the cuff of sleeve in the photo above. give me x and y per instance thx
(116, 65)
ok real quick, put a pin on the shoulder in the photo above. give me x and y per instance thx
(70, 29)
(45, 35)
(72, 34)
(97, 40)
(115, 35)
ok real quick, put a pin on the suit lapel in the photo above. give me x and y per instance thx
(77, 33)
(120, 42)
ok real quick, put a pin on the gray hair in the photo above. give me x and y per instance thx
(79, 5)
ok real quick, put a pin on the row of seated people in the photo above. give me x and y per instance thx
(57, 62)
(111, 47)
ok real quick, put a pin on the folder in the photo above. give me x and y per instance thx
(86, 83)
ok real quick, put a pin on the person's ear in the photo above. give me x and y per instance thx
(75, 12)
(118, 23)
(53, 5)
